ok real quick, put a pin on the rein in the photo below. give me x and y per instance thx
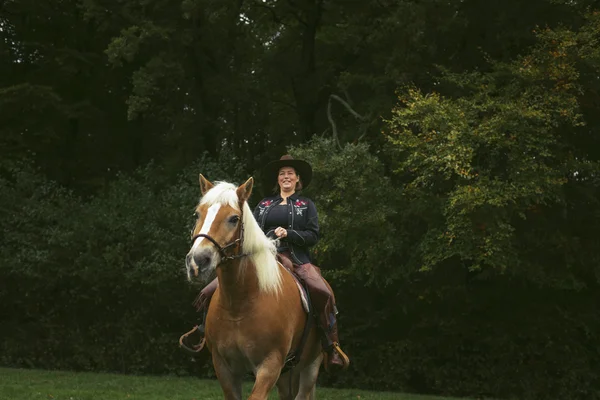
(224, 257)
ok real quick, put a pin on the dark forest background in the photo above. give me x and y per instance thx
(455, 146)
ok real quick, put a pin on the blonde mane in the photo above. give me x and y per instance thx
(260, 248)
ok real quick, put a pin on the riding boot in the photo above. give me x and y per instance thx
(201, 303)
(322, 299)
(203, 299)
(335, 358)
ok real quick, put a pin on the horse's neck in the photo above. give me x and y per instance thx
(238, 286)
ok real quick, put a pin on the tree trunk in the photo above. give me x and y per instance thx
(306, 83)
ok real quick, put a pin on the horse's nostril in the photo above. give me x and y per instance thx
(201, 260)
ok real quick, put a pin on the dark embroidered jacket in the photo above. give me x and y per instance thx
(302, 228)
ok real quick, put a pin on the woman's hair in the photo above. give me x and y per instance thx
(298, 187)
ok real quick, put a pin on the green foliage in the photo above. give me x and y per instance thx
(493, 153)
(355, 208)
(100, 283)
(34, 214)
(122, 301)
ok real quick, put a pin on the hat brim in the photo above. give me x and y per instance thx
(271, 171)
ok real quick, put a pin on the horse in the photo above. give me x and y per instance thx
(256, 318)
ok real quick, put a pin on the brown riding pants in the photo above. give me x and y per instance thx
(321, 295)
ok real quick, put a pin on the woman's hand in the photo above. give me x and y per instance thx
(280, 232)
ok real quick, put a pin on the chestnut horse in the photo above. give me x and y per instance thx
(255, 318)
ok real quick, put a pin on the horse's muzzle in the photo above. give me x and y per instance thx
(202, 259)
(190, 266)
(198, 263)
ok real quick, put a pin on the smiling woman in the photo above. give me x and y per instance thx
(293, 220)
(288, 181)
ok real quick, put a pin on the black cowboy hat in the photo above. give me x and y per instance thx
(271, 170)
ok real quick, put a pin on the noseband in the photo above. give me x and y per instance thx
(222, 253)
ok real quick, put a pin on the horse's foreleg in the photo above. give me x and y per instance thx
(231, 383)
(267, 375)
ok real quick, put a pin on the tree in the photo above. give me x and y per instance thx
(498, 161)
(58, 103)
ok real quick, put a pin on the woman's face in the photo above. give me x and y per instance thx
(287, 179)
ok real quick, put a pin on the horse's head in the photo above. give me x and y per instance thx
(218, 233)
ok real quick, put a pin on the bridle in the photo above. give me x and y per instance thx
(239, 241)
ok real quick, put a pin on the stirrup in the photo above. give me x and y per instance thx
(335, 347)
(195, 348)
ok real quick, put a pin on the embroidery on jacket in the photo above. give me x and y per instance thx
(263, 206)
(300, 206)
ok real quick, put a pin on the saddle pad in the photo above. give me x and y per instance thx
(303, 296)
(301, 289)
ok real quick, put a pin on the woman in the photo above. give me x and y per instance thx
(293, 220)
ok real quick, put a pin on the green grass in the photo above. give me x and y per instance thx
(22, 384)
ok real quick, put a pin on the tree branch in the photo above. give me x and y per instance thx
(348, 107)
(363, 130)
(348, 99)
(333, 125)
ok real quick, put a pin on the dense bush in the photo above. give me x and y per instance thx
(98, 284)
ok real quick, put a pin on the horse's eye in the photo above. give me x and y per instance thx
(196, 216)
(234, 219)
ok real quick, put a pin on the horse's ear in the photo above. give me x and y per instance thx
(244, 191)
(205, 185)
